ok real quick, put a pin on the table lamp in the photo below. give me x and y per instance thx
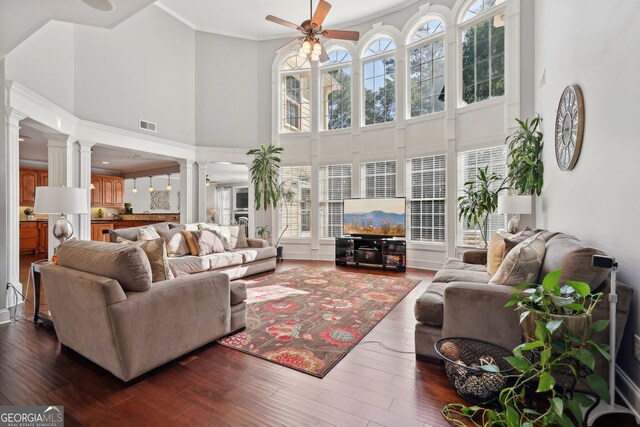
(514, 205)
(63, 201)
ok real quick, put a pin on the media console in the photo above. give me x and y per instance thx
(363, 250)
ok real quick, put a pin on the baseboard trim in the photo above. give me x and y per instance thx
(5, 316)
(628, 390)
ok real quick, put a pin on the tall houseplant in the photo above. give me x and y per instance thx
(525, 167)
(265, 174)
(480, 199)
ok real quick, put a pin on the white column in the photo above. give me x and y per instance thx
(450, 137)
(186, 191)
(84, 147)
(61, 173)
(9, 212)
(253, 213)
(202, 192)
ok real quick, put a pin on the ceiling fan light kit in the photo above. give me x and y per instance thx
(311, 29)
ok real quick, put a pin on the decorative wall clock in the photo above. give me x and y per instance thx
(569, 127)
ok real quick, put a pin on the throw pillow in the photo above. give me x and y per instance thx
(218, 230)
(148, 233)
(157, 254)
(522, 263)
(175, 241)
(496, 251)
(207, 242)
(193, 246)
(242, 237)
(513, 240)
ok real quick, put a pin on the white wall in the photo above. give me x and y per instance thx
(142, 69)
(595, 45)
(45, 64)
(141, 200)
(226, 76)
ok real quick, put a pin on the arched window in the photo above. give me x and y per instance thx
(426, 68)
(336, 90)
(379, 65)
(295, 95)
(482, 26)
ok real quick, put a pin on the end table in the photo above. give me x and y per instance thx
(37, 286)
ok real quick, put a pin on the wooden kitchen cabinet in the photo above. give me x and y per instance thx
(108, 191)
(28, 237)
(96, 231)
(43, 237)
(29, 180)
(43, 178)
(118, 192)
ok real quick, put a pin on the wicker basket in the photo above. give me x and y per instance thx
(470, 381)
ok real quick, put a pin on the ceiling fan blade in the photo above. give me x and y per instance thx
(287, 47)
(322, 10)
(324, 57)
(277, 20)
(342, 35)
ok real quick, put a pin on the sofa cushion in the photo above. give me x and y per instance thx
(131, 233)
(458, 264)
(514, 240)
(429, 308)
(224, 259)
(156, 252)
(496, 251)
(147, 233)
(189, 264)
(193, 247)
(242, 237)
(238, 292)
(574, 258)
(256, 254)
(207, 242)
(175, 241)
(522, 263)
(446, 276)
(127, 264)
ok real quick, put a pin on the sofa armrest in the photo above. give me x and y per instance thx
(173, 317)
(258, 243)
(476, 310)
(475, 256)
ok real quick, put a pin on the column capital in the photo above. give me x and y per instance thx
(59, 140)
(186, 163)
(85, 146)
(14, 116)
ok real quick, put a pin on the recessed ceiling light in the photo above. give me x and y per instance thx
(101, 5)
(105, 163)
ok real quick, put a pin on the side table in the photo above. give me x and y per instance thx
(37, 286)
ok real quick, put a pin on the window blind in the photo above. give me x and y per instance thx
(378, 179)
(335, 186)
(426, 193)
(296, 211)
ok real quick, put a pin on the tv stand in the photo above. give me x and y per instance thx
(375, 251)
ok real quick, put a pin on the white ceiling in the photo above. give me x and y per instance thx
(245, 18)
(227, 173)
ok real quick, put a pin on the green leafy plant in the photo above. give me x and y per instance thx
(480, 199)
(540, 394)
(264, 232)
(525, 167)
(265, 174)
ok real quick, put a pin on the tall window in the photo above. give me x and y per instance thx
(426, 68)
(295, 209)
(468, 164)
(483, 51)
(335, 186)
(427, 191)
(295, 95)
(379, 65)
(336, 91)
(225, 203)
(378, 179)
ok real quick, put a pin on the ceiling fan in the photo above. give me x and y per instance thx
(311, 29)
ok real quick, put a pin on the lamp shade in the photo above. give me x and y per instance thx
(514, 204)
(61, 200)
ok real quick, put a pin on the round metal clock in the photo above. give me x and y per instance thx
(569, 127)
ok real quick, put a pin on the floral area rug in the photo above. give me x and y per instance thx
(309, 319)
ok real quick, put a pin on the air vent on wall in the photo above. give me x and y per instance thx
(146, 125)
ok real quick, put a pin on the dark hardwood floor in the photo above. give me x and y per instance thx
(218, 386)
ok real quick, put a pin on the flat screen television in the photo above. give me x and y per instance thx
(374, 217)
(242, 200)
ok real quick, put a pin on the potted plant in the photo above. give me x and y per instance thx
(525, 167)
(480, 199)
(264, 232)
(538, 395)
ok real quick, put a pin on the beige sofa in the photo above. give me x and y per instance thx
(460, 303)
(105, 307)
(257, 258)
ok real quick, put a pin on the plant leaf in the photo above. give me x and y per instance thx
(524, 315)
(546, 382)
(551, 280)
(574, 407)
(584, 356)
(557, 405)
(580, 287)
(552, 325)
(512, 417)
(545, 355)
(490, 368)
(583, 400)
(532, 345)
(599, 387)
(520, 363)
(603, 349)
(541, 332)
(600, 325)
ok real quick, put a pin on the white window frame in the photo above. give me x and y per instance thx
(372, 58)
(409, 179)
(282, 210)
(364, 176)
(326, 69)
(464, 25)
(282, 75)
(469, 236)
(441, 35)
(344, 181)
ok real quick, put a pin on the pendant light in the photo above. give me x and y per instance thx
(169, 182)
(135, 190)
(150, 186)
(207, 182)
